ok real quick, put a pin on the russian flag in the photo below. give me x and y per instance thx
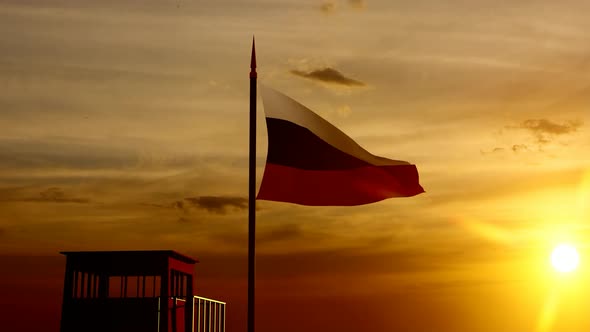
(311, 162)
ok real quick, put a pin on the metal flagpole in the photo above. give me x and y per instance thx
(252, 194)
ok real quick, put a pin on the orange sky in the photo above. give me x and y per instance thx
(123, 125)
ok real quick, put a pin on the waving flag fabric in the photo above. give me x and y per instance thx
(311, 162)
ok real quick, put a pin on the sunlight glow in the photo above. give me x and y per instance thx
(565, 258)
(548, 314)
(487, 230)
(583, 203)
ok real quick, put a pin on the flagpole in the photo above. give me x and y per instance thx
(252, 194)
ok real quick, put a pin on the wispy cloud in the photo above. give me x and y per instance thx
(328, 75)
(282, 233)
(543, 132)
(358, 4)
(268, 236)
(494, 150)
(328, 7)
(212, 204)
(519, 147)
(65, 152)
(49, 195)
(191, 209)
(546, 130)
(56, 195)
(219, 204)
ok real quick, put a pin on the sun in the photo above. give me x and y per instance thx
(565, 258)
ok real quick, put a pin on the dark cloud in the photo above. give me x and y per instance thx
(180, 205)
(545, 130)
(520, 147)
(549, 127)
(215, 204)
(328, 7)
(328, 75)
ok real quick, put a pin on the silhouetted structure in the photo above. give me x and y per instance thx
(116, 291)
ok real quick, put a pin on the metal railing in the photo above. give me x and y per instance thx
(209, 314)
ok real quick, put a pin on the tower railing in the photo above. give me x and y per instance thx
(208, 315)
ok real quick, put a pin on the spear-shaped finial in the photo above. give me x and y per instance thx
(253, 60)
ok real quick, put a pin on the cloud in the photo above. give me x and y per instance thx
(179, 205)
(328, 75)
(215, 204)
(494, 150)
(57, 195)
(328, 7)
(189, 206)
(49, 195)
(281, 233)
(358, 4)
(546, 126)
(520, 147)
(545, 130)
(64, 153)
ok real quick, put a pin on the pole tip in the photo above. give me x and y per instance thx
(253, 59)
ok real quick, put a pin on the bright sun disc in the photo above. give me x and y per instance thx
(565, 258)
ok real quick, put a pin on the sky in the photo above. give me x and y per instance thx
(124, 126)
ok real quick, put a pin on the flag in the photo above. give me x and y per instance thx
(311, 162)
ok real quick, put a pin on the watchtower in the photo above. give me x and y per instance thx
(116, 291)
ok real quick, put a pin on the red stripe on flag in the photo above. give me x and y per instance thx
(356, 186)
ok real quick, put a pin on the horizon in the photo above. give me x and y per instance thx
(124, 126)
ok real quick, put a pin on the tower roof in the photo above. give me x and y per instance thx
(129, 254)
